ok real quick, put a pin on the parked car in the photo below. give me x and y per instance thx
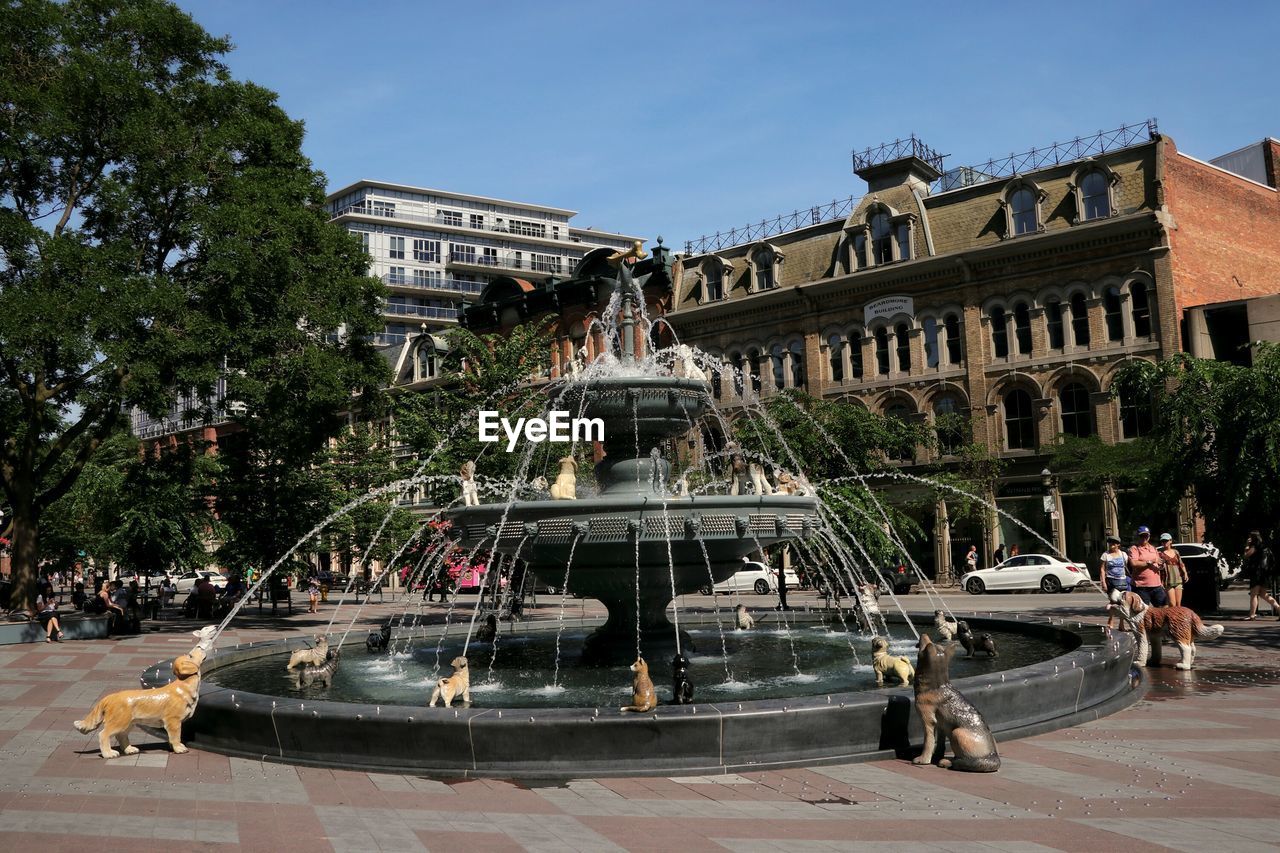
(1027, 571)
(899, 576)
(1198, 551)
(146, 580)
(753, 577)
(187, 582)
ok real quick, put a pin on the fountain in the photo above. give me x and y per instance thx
(795, 689)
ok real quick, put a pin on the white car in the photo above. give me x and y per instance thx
(1207, 550)
(187, 582)
(1027, 571)
(753, 577)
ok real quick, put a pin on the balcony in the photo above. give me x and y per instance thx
(463, 224)
(518, 261)
(451, 285)
(427, 311)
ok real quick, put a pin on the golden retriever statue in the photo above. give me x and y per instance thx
(565, 488)
(117, 713)
(884, 663)
(643, 697)
(314, 656)
(451, 686)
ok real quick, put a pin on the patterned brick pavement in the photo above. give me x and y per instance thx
(1193, 767)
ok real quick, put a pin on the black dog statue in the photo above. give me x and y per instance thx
(681, 686)
(965, 636)
(486, 632)
(377, 641)
(987, 644)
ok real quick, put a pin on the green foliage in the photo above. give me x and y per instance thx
(159, 226)
(1088, 463)
(1216, 432)
(359, 462)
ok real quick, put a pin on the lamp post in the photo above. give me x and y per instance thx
(1051, 507)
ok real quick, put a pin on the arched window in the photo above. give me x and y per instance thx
(1077, 414)
(1022, 212)
(835, 353)
(1022, 327)
(882, 351)
(1136, 417)
(738, 365)
(797, 364)
(1095, 195)
(714, 283)
(946, 417)
(1111, 310)
(1079, 320)
(425, 362)
(855, 355)
(1019, 424)
(717, 376)
(904, 241)
(999, 333)
(954, 345)
(764, 268)
(755, 363)
(1140, 308)
(881, 239)
(778, 363)
(904, 451)
(904, 348)
(1053, 319)
(931, 354)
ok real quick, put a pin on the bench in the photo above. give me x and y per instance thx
(74, 627)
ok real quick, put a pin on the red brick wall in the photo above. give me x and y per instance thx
(1227, 241)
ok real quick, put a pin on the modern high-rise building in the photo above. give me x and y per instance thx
(436, 250)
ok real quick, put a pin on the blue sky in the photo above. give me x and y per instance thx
(683, 119)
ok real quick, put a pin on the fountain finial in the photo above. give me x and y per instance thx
(621, 261)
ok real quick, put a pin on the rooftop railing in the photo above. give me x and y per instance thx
(428, 311)
(549, 265)
(837, 209)
(448, 284)
(381, 211)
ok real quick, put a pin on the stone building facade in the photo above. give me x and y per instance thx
(1008, 295)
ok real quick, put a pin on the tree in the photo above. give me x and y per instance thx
(1215, 432)
(160, 230)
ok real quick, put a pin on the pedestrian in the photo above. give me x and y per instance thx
(1113, 572)
(1260, 569)
(313, 592)
(1014, 550)
(998, 557)
(47, 613)
(971, 559)
(1175, 572)
(78, 598)
(1144, 569)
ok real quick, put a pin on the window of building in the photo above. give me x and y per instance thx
(395, 275)
(1019, 424)
(835, 353)
(426, 278)
(384, 208)
(489, 256)
(545, 263)
(1140, 308)
(796, 350)
(451, 217)
(426, 251)
(395, 248)
(714, 283)
(946, 417)
(1095, 195)
(1077, 414)
(1111, 312)
(717, 377)
(952, 325)
(1053, 320)
(1022, 212)
(755, 362)
(882, 351)
(931, 355)
(364, 240)
(999, 333)
(425, 363)
(463, 254)
(1022, 327)
(855, 355)
(904, 347)
(738, 365)
(477, 221)
(776, 359)
(1136, 417)
(860, 250)
(1080, 320)
(763, 260)
(904, 241)
(881, 239)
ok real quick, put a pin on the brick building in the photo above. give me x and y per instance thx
(1008, 293)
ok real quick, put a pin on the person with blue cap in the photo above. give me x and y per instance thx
(1144, 567)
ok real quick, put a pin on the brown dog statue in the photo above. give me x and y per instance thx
(946, 714)
(643, 697)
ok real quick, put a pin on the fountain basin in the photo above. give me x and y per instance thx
(1091, 680)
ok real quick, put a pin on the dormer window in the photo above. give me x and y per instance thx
(425, 365)
(1022, 208)
(763, 260)
(881, 239)
(1092, 186)
(713, 275)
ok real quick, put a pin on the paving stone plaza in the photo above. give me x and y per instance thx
(1190, 767)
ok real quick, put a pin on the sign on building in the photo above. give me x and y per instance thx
(888, 307)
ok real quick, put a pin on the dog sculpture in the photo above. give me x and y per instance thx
(451, 686)
(745, 473)
(681, 686)
(565, 488)
(643, 699)
(322, 673)
(742, 619)
(165, 707)
(378, 641)
(682, 486)
(965, 637)
(867, 605)
(791, 484)
(684, 364)
(986, 644)
(884, 663)
(1180, 624)
(314, 656)
(470, 492)
(486, 632)
(945, 626)
(539, 483)
(946, 714)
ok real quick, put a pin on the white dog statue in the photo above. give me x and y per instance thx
(470, 494)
